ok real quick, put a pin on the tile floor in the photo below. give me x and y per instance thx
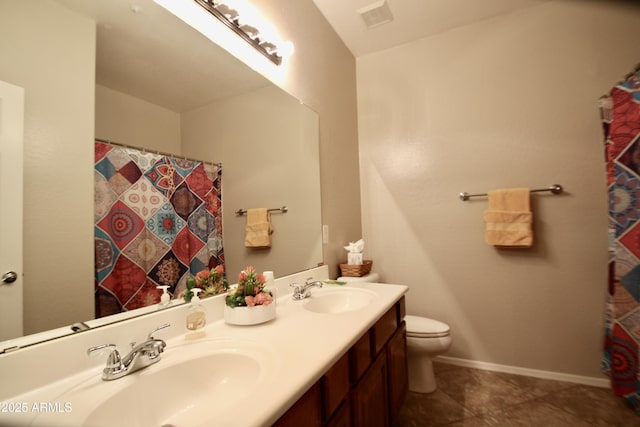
(472, 397)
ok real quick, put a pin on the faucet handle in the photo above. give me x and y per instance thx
(99, 349)
(114, 359)
(295, 286)
(150, 336)
(310, 281)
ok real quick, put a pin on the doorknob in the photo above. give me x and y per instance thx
(9, 277)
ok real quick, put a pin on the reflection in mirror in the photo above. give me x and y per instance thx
(139, 76)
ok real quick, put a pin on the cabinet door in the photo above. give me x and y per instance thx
(307, 411)
(398, 378)
(369, 401)
(342, 417)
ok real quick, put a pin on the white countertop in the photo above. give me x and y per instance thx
(302, 346)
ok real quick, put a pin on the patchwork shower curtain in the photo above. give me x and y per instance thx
(621, 122)
(158, 220)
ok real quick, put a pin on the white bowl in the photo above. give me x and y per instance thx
(249, 315)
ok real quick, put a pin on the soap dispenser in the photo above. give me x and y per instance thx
(197, 317)
(165, 297)
(270, 284)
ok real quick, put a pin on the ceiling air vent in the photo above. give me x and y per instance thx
(375, 14)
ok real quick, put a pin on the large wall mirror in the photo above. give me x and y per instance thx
(130, 72)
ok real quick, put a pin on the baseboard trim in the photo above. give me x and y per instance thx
(547, 375)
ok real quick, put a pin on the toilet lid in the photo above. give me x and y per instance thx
(427, 328)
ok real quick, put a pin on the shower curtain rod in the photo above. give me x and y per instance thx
(106, 141)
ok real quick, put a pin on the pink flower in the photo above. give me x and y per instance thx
(263, 298)
(261, 279)
(202, 278)
(251, 301)
(242, 276)
(202, 274)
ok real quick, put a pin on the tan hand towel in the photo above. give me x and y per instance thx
(258, 229)
(508, 218)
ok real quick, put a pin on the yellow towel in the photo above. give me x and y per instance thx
(508, 218)
(258, 229)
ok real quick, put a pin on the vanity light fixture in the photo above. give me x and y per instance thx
(229, 16)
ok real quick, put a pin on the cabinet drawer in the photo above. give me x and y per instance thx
(335, 385)
(402, 309)
(384, 329)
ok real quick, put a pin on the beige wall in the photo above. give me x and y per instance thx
(321, 73)
(507, 102)
(58, 155)
(268, 144)
(128, 120)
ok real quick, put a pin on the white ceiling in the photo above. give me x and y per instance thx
(412, 19)
(145, 51)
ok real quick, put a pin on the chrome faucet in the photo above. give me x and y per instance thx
(302, 292)
(140, 356)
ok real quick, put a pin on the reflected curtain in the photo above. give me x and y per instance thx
(158, 221)
(620, 112)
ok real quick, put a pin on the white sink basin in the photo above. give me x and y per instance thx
(186, 388)
(339, 300)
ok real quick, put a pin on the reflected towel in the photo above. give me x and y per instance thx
(258, 229)
(508, 219)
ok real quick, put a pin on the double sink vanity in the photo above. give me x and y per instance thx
(335, 358)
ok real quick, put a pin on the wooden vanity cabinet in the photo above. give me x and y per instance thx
(397, 371)
(365, 387)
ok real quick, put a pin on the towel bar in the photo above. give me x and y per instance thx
(555, 189)
(283, 209)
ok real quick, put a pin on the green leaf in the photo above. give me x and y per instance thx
(335, 282)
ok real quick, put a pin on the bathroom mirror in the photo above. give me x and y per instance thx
(216, 109)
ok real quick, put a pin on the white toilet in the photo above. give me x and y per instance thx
(426, 338)
(371, 278)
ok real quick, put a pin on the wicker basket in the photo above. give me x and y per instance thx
(356, 270)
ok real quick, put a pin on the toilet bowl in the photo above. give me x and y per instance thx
(426, 338)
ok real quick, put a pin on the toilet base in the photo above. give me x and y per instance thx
(421, 376)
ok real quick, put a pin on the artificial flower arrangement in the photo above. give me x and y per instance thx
(211, 281)
(250, 291)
